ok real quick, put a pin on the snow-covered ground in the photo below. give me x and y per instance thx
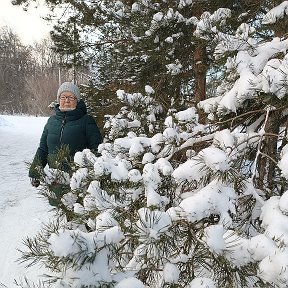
(22, 210)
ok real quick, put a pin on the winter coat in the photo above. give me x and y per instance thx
(74, 128)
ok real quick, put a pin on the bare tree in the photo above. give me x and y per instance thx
(14, 62)
(29, 75)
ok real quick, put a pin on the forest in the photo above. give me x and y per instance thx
(30, 75)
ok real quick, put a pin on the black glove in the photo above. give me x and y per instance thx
(35, 182)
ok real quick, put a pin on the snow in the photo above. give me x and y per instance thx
(283, 166)
(212, 199)
(276, 13)
(22, 210)
(275, 264)
(152, 224)
(254, 70)
(130, 282)
(274, 220)
(202, 282)
(214, 238)
(171, 273)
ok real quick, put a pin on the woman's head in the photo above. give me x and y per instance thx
(68, 96)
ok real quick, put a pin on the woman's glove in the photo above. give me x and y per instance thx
(35, 182)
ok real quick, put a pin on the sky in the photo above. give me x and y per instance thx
(28, 24)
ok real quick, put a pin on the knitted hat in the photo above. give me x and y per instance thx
(70, 87)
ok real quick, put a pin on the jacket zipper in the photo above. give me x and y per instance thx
(62, 128)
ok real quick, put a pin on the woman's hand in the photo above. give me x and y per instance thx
(35, 182)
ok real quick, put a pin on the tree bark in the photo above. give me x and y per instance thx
(200, 70)
(266, 167)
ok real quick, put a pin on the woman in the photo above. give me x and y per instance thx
(71, 126)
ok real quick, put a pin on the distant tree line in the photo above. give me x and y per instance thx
(29, 75)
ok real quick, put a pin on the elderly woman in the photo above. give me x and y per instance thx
(70, 126)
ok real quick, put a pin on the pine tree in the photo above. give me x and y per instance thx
(131, 208)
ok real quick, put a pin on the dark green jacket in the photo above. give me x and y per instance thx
(74, 128)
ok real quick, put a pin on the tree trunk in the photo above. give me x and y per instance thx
(266, 167)
(200, 69)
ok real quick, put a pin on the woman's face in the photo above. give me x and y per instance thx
(67, 100)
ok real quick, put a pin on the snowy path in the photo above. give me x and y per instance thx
(22, 211)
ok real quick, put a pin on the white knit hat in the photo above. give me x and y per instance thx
(70, 87)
